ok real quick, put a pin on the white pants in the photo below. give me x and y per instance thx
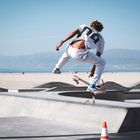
(83, 56)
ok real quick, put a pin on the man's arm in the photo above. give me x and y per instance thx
(94, 66)
(72, 34)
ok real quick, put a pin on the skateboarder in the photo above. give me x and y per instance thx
(88, 37)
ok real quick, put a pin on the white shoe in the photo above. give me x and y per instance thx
(56, 71)
(91, 88)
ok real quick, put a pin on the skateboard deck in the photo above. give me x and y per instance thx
(77, 79)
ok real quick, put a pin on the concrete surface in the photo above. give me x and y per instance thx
(71, 111)
(27, 128)
(68, 112)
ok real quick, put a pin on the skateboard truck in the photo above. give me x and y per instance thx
(76, 80)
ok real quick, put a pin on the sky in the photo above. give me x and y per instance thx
(34, 26)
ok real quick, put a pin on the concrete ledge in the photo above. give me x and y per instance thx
(71, 111)
(72, 114)
(22, 90)
(69, 88)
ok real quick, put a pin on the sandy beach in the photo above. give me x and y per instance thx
(30, 80)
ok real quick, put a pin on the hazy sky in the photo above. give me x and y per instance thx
(32, 26)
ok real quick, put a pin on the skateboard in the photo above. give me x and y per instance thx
(78, 79)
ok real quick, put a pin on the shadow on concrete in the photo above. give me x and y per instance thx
(3, 90)
(130, 122)
(109, 95)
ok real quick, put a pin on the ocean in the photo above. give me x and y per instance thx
(70, 68)
(117, 60)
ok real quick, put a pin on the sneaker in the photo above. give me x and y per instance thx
(91, 88)
(56, 71)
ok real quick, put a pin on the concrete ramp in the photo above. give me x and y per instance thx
(113, 86)
(72, 111)
(3, 90)
(55, 84)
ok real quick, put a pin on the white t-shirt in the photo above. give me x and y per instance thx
(93, 40)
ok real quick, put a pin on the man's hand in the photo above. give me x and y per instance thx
(94, 66)
(91, 75)
(67, 38)
(92, 71)
(59, 45)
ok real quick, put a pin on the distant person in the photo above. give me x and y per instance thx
(88, 37)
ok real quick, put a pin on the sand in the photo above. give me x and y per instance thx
(30, 80)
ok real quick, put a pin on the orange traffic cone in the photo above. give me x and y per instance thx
(104, 134)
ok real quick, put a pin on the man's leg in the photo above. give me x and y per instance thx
(98, 71)
(100, 64)
(61, 62)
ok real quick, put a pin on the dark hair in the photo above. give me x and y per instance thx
(97, 25)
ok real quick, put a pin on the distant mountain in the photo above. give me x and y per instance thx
(45, 61)
(122, 56)
(122, 60)
(39, 59)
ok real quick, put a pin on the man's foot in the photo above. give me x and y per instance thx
(56, 71)
(91, 88)
(95, 90)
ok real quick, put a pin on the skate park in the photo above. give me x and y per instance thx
(58, 110)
